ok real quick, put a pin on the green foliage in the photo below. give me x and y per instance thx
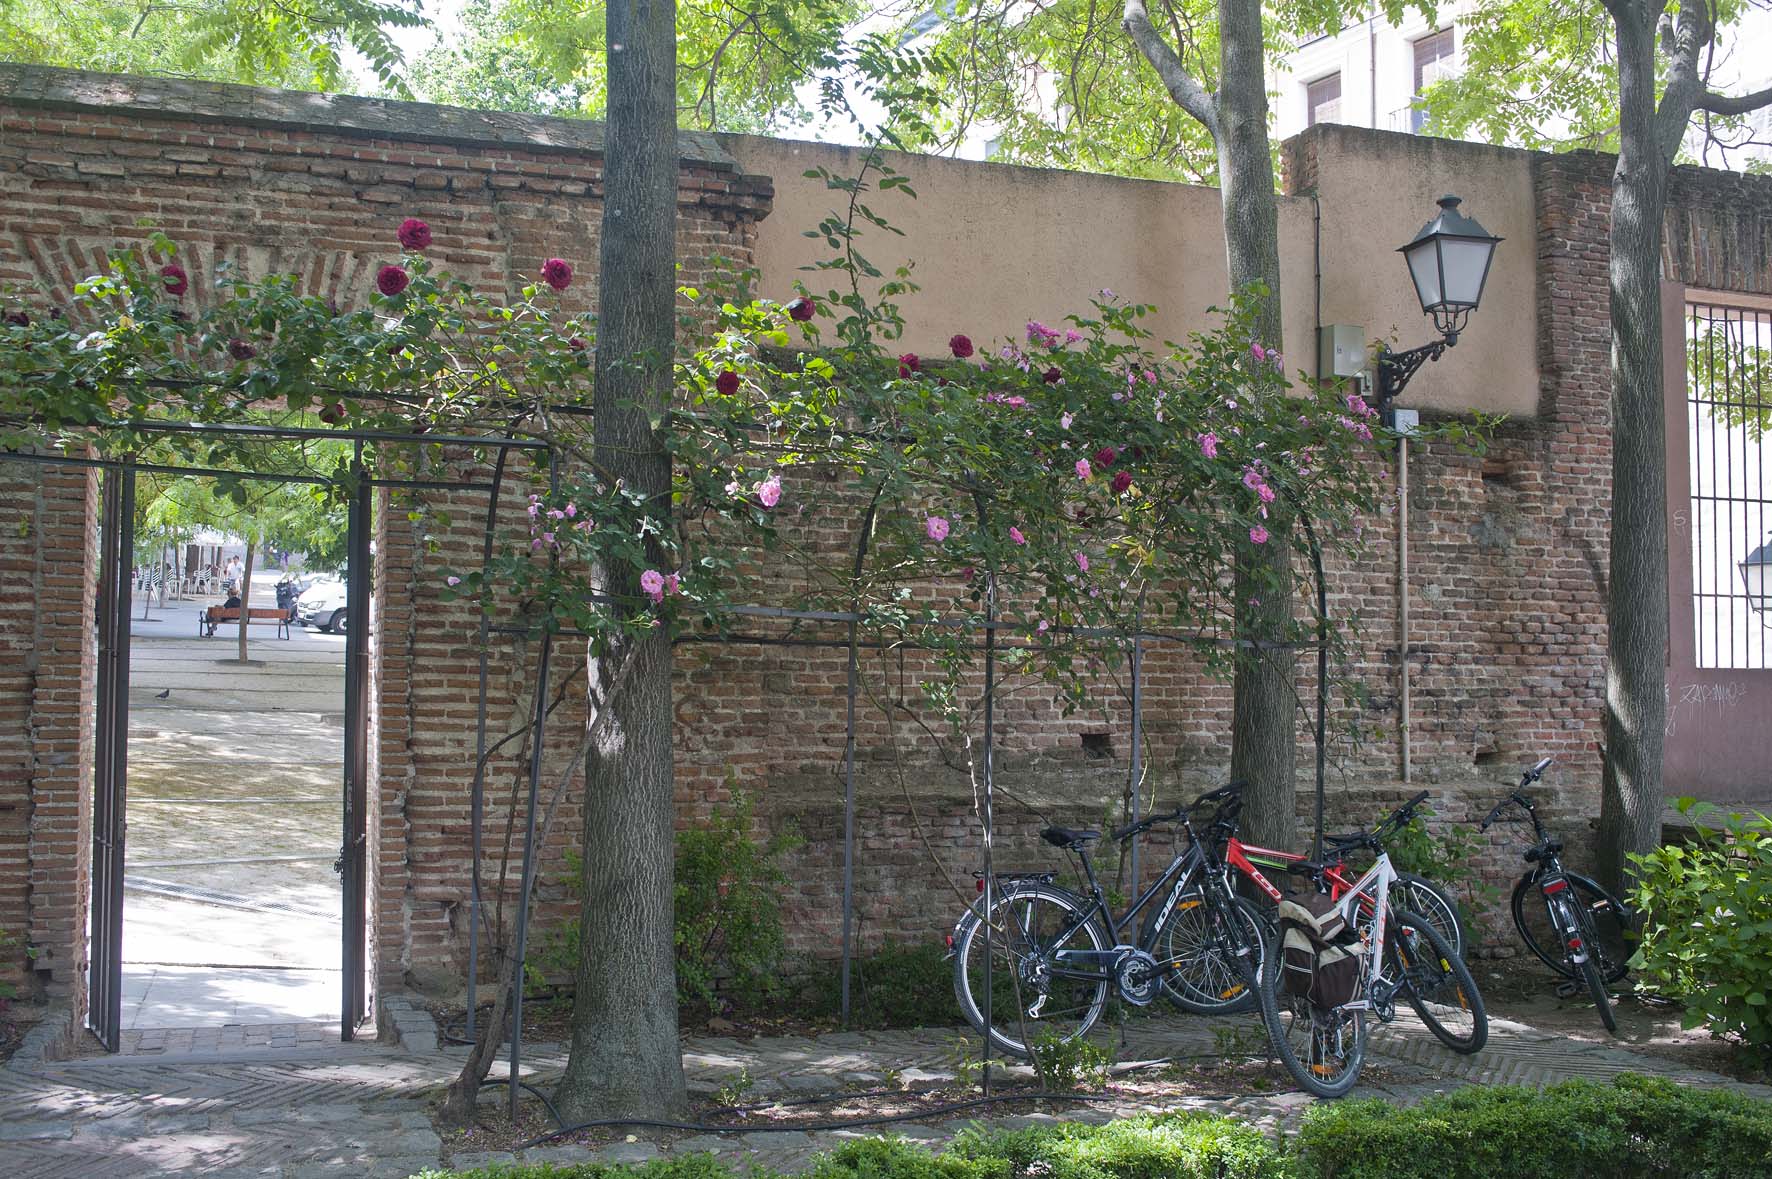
(900, 985)
(1726, 366)
(1070, 1064)
(8, 991)
(1707, 929)
(729, 937)
(1635, 1128)
(296, 44)
(728, 909)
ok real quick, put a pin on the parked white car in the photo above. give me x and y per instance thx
(322, 605)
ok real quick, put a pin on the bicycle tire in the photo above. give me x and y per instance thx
(1431, 900)
(1209, 985)
(1607, 920)
(1596, 990)
(1007, 983)
(1277, 1005)
(1442, 968)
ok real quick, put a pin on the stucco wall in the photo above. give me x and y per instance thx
(996, 245)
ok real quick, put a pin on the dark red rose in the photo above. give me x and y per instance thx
(909, 365)
(1105, 456)
(240, 350)
(391, 280)
(577, 344)
(1122, 480)
(177, 281)
(18, 319)
(1052, 376)
(414, 234)
(333, 413)
(726, 383)
(961, 347)
(801, 309)
(557, 273)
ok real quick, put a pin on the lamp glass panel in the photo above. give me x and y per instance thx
(1466, 266)
(1424, 268)
(1754, 578)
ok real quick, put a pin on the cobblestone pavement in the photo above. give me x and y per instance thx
(361, 1109)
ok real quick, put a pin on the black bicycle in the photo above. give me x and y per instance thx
(1055, 954)
(1568, 921)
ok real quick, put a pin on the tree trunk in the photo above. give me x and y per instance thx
(1636, 640)
(245, 598)
(625, 1058)
(1263, 728)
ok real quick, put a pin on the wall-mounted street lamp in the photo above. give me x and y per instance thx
(1449, 261)
(1756, 576)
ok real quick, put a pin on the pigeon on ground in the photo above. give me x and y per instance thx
(163, 695)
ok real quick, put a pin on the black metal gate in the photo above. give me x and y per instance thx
(110, 756)
(354, 858)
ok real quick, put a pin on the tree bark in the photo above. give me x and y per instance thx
(1263, 730)
(625, 1058)
(1636, 640)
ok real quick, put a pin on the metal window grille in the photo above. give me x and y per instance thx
(1728, 413)
(1322, 100)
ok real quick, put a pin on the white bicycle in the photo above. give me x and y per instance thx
(1390, 953)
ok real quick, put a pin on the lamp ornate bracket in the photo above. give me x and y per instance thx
(1395, 368)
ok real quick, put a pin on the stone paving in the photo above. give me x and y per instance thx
(323, 1109)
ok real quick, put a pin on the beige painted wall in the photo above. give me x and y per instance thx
(996, 245)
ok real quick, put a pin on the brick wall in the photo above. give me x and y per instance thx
(1508, 550)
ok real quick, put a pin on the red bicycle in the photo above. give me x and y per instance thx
(1413, 891)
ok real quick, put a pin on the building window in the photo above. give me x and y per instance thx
(1433, 61)
(1322, 100)
(1728, 411)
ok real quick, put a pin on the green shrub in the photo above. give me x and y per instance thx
(1161, 1146)
(1063, 1064)
(1635, 1128)
(900, 985)
(1707, 936)
(729, 935)
(1448, 859)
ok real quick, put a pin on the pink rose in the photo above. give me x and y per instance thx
(1258, 534)
(1083, 471)
(769, 491)
(1209, 445)
(557, 273)
(937, 528)
(1082, 561)
(1016, 536)
(652, 583)
(673, 583)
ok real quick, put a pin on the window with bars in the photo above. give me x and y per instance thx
(1433, 61)
(1322, 100)
(1728, 412)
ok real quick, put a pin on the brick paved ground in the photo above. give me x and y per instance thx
(361, 1109)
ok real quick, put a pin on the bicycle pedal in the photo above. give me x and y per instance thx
(1568, 990)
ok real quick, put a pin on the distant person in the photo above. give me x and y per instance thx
(235, 572)
(232, 602)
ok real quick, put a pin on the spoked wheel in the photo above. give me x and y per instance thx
(1208, 976)
(1612, 938)
(1596, 990)
(1323, 1050)
(1420, 895)
(1036, 934)
(1436, 983)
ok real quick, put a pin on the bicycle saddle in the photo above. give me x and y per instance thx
(1352, 839)
(1551, 846)
(1066, 838)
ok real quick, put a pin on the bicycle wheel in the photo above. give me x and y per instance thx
(1033, 993)
(1613, 936)
(1323, 1050)
(1436, 982)
(1207, 976)
(1596, 990)
(1420, 895)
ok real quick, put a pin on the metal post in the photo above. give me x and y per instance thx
(353, 857)
(990, 692)
(477, 795)
(1322, 674)
(528, 875)
(861, 552)
(1137, 767)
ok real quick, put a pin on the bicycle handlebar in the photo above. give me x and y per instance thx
(1230, 790)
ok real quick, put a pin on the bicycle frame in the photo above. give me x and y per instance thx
(1369, 894)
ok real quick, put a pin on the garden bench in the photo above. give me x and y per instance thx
(214, 616)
